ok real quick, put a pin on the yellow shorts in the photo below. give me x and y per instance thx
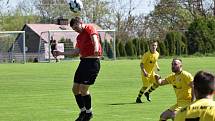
(147, 81)
(178, 106)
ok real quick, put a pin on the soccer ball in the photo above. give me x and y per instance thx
(75, 5)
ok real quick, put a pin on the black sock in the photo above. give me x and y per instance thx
(79, 101)
(87, 102)
(140, 94)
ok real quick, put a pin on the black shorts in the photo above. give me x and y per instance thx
(87, 71)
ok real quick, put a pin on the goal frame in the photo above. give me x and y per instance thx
(18, 32)
(51, 31)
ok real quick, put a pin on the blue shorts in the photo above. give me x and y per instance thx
(87, 71)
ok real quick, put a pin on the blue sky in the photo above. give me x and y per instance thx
(143, 6)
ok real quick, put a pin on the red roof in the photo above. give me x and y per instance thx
(42, 30)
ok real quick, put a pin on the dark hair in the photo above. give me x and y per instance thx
(75, 21)
(204, 83)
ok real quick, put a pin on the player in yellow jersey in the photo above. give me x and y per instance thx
(203, 109)
(181, 81)
(147, 65)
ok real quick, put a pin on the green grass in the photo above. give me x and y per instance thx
(42, 91)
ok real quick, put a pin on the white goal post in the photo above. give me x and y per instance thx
(53, 33)
(10, 49)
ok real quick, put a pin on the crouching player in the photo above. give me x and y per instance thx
(181, 82)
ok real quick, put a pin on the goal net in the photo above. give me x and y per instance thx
(12, 47)
(66, 41)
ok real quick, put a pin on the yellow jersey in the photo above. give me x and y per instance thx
(149, 61)
(200, 110)
(181, 84)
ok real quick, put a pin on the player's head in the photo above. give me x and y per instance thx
(176, 65)
(204, 84)
(76, 24)
(153, 45)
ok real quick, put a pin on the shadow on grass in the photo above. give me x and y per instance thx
(126, 103)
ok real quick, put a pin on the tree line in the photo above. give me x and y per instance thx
(180, 26)
(198, 39)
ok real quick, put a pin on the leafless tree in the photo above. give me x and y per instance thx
(125, 18)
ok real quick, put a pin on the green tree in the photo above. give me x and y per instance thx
(170, 38)
(162, 48)
(122, 49)
(211, 26)
(168, 15)
(175, 43)
(136, 42)
(201, 37)
(15, 21)
(107, 49)
(143, 46)
(184, 46)
(129, 47)
(117, 48)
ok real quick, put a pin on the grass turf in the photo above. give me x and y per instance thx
(42, 91)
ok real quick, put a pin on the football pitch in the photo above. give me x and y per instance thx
(42, 91)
